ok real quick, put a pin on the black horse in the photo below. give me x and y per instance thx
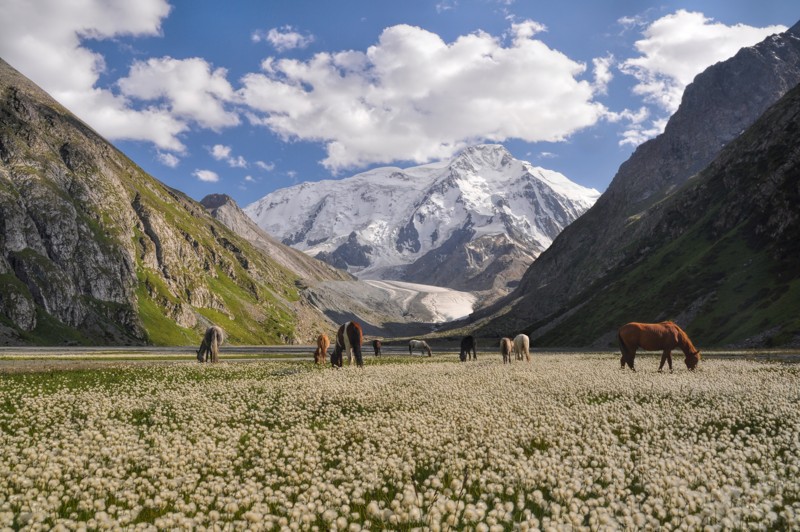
(376, 345)
(468, 345)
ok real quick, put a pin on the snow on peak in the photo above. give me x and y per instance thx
(377, 222)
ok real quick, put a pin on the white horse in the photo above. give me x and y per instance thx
(209, 347)
(420, 345)
(506, 348)
(522, 347)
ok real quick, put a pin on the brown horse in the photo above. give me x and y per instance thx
(322, 348)
(376, 346)
(664, 336)
(209, 347)
(506, 349)
(349, 338)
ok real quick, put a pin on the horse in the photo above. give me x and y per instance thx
(522, 347)
(349, 338)
(323, 342)
(209, 347)
(467, 345)
(664, 336)
(506, 349)
(376, 346)
(422, 345)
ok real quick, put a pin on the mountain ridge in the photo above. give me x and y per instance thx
(95, 251)
(482, 210)
(716, 108)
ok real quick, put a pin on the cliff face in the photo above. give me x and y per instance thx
(720, 256)
(716, 108)
(93, 250)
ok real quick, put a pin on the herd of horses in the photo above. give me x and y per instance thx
(664, 337)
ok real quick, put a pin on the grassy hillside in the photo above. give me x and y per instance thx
(93, 250)
(721, 256)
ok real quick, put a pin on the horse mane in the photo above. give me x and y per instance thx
(685, 341)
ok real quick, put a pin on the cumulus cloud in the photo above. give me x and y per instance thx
(268, 167)
(412, 96)
(223, 153)
(189, 88)
(168, 159)
(283, 38)
(206, 175)
(48, 50)
(677, 47)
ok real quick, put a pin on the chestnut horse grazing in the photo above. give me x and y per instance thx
(421, 345)
(209, 347)
(506, 348)
(349, 338)
(323, 343)
(467, 346)
(664, 336)
(376, 346)
(522, 346)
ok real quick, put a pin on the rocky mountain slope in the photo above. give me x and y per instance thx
(472, 223)
(384, 308)
(95, 251)
(717, 107)
(224, 208)
(720, 256)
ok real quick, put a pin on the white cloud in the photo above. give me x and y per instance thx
(189, 87)
(220, 152)
(48, 50)
(638, 132)
(411, 96)
(265, 166)
(223, 153)
(249, 179)
(206, 175)
(602, 73)
(283, 38)
(677, 47)
(168, 159)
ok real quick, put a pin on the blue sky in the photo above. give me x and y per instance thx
(244, 97)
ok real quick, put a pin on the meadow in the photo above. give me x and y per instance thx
(407, 443)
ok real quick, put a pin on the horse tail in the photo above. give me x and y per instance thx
(216, 337)
(356, 337)
(623, 348)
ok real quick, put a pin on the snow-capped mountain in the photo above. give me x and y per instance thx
(475, 222)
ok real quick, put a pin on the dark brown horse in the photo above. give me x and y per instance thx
(376, 346)
(664, 336)
(349, 338)
(468, 346)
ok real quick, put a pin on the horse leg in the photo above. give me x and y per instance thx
(631, 359)
(669, 360)
(664, 356)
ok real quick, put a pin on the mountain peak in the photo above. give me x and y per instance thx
(483, 156)
(472, 223)
(215, 201)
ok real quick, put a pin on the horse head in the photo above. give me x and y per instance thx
(692, 359)
(200, 357)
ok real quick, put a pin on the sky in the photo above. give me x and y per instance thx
(243, 97)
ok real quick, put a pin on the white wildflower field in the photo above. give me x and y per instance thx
(568, 441)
